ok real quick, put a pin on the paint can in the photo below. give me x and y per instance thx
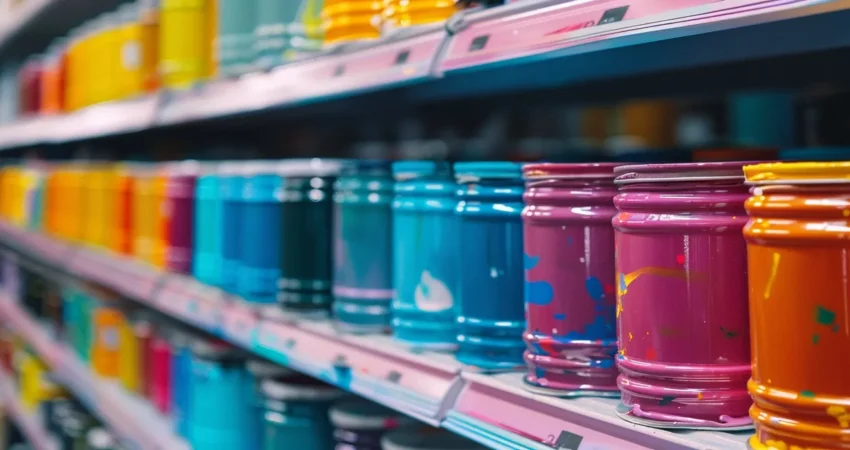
(569, 279)
(683, 323)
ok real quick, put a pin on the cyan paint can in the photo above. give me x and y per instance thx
(815, 154)
(181, 371)
(762, 119)
(425, 264)
(306, 234)
(423, 437)
(231, 181)
(207, 261)
(258, 370)
(363, 247)
(236, 23)
(259, 267)
(296, 413)
(218, 414)
(359, 424)
(491, 314)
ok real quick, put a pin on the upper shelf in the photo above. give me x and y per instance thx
(492, 409)
(520, 46)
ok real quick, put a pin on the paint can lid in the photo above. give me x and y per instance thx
(475, 171)
(299, 387)
(313, 167)
(361, 414)
(680, 172)
(543, 171)
(408, 170)
(798, 173)
(266, 369)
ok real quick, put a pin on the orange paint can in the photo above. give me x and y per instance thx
(798, 242)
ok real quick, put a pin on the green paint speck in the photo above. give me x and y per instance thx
(807, 394)
(824, 316)
(666, 400)
(728, 333)
(815, 339)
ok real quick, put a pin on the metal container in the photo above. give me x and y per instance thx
(363, 247)
(569, 279)
(179, 207)
(257, 371)
(207, 259)
(491, 257)
(798, 259)
(306, 235)
(218, 414)
(681, 295)
(296, 413)
(231, 182)
(425, 242)
(236, 23)
(259, 261)
(181, 379)
(360, 424)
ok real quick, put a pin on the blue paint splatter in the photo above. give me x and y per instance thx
(539, 293)
(537, 349)
(602, 363)
(666, 400)
(560, 316)
(539, 373)
(569, 241)
(599, 307)
(530, 261)
(623, 282)
(594, 288)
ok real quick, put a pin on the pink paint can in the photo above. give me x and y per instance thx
(570, 293)
(682, 307)
(160, 370)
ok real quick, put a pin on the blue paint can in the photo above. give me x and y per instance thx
(259, 267)
(295, 413)
(360, 424)
(815, 154)
(491, 313)
(425, 264)
(363, 247)
(231, 182)
(218, 413)
(207, 260)
(423, 437)
(259, 370)
(181, 370)
(762, 119)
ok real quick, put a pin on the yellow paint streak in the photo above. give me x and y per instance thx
(774, 269)
(699, 395)
(774, 444)
(846, 213)
(840, 414)
(630, 335)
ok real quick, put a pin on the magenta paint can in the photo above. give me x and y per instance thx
(570, 293)
(682, 296)
(180, 210)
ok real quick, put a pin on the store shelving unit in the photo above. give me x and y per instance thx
(479, 52)
(135, 423)
(492, 409)
(29, 424)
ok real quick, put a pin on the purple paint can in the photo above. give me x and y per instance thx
(682, 308)
(570, 293)
(180, 210)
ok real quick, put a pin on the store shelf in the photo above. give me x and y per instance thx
(524, 45)
(19, 17)
(492, 409)
(133, 420)
(30, 424)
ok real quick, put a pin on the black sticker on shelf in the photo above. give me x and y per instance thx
(340, 69)
(289, 344)
(479, 42)
(402, 56)
(568, 441)
(394, 376)
(613, 15)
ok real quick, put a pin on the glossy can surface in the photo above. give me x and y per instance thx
(217, 409)
(160, 370)
(306, 254)
(425, 232)
(569, 278)
(360, 424)
(207, 259)
(491, 316)
(180, 209)
(259, 267)
(800, 319)
(681, 294)
(363, 248)
(231, 192)
(295, 413)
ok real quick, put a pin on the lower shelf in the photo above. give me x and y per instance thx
(30, 424)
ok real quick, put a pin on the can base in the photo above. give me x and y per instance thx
(563, 393)
(627, 413)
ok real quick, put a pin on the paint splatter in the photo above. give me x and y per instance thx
(539, 293)
(815, 339)
(666, 400)
(840, 414)
(602, 363)
(699, 395)
(651, 354)
(680, 259)
(728, 334)
(774, 269)
(625, 280)
(824, 316)
(630, 336)
(669, 332)
(807, 394)
(559, 316)
(539, 373)
(570, 241)
(594, 288)
(529, 262)
(622, 353)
